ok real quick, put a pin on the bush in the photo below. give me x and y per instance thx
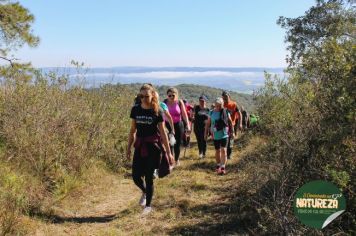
(310, 116)
(51, 133)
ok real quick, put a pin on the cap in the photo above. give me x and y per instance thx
(219, 101)
(203, 97)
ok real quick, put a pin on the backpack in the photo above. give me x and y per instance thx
(223, 122)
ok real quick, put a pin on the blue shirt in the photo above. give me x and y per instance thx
(217, 134)
(163, 106)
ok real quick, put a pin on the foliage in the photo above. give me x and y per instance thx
(192, 92)
(310, 117)
(15, 27)
(52, 133)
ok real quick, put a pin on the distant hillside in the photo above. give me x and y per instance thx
(241, 80)
(192, 92)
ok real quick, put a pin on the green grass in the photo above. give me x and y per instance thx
(193, 199)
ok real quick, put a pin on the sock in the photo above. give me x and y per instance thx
(222, 166)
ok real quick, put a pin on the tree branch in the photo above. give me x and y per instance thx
(9, 60)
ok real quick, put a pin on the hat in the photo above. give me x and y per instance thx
(225, 93)
(219, 101)
(203, 97)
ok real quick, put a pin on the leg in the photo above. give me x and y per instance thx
(229, 148)
(217, 151)
(199, 141)
(151, 163)
(149, 186)
(138, 171)
(178, 128)
(223, 156)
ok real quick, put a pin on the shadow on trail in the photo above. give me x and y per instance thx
(229, 216)
(56, 219)
(234, 210)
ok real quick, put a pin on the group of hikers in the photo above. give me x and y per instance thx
(159, 129)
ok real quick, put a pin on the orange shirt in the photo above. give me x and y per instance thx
(232, 108)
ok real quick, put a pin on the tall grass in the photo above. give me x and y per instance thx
(51, 132)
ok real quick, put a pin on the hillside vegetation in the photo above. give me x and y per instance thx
(62, 165)
(192, 92)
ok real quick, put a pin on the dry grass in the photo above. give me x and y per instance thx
(192, 200)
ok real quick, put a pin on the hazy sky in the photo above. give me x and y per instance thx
(227, 33)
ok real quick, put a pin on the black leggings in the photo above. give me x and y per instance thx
(179, 131)
(199, 134)
(144, 167)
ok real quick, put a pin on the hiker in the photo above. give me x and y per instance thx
(235, 114)
(201, 115)
(179, 115)
(166, 116)
(147, 130)
(219, 122)
(254, 120)
(245, 118)
(186, 135)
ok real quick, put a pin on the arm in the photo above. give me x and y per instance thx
(231, 127)
(170, 120)
(239, 116)
(164, 138)
(240, 120)
(206, 130)
(131, 138)
(184, 114)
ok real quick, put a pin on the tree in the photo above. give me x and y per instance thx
(15, 28)
(310, 117)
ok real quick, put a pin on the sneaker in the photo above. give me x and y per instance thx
(177, 163)
(200, 156)
(222, 171)
(217, 169)
(147, 210)
(203, 156)
(142, 201)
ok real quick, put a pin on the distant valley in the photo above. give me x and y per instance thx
(240, 79)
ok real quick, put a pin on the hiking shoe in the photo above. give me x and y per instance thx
(147, 210)
(142, 201)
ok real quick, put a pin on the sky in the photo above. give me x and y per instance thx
(160, 33)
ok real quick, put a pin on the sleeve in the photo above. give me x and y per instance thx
(163, 106)
(133, 112)
(160, 116)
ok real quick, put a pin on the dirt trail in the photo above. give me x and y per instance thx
(192, 200)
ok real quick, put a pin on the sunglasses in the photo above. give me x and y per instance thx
(144, 96)
(171, 95)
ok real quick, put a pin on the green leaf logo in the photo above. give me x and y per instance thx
(318, 203)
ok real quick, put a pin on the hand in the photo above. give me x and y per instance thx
(128, 154)
(171, 159)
